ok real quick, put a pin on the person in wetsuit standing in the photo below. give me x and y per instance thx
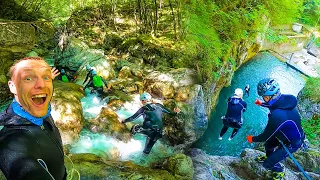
(152, 125)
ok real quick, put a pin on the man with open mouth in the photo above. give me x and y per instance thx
(30, 142)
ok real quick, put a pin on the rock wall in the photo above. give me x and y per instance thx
(307, 108)
(245, 166)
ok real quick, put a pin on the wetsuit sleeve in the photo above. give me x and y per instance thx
(269, 131)
(166, 110)
(135, 116)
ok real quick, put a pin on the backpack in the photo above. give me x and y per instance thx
(97, 81)
(64, 78)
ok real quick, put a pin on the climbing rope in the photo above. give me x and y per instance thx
(295, 161)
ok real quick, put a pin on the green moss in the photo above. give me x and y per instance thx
(312, 90)
(312, 130)
(317, 42)
(121, 95)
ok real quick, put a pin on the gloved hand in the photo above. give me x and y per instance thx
(258, 102)
(249, 138)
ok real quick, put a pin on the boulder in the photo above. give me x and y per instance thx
(307, 108)
(108, 122)
(77, 55)
(91, 166)
(243, 167)
(67, 110)
(309, 160)
(180, 166)
(179, 89)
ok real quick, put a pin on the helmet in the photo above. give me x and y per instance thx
(268, 87)
(62, 71)
(88, 67)
(94, 72)
(238, 92)
(145, 96)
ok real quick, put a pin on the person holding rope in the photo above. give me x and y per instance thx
(284, 125)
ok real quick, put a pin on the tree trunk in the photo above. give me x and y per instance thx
(174, 20)
(155, 21)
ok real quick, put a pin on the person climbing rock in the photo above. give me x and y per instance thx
(89, 74)
(233, 117)
(96, 82)
(284, 123)
(152, 125)
(63, 76)
(247, 90)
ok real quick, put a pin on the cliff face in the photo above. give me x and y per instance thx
(245, 166)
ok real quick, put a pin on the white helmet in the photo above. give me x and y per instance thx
(238, 92)
(145, 96)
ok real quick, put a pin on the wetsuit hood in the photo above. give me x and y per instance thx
(286, 101)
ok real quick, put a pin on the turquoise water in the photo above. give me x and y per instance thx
(255, 118)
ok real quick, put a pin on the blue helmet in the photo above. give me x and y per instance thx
(145, 96)
(88, 67)
(268, 87)
(94, 72)
(63, 71)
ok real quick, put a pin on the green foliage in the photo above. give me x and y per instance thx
(311, 12)
(213, 29)
(317, 42)
(312, 90)
(202, 41)
(13, 10)
(275, 37)
(312, 130)
(284, 11)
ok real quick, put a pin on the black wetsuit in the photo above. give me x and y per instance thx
(152, 124)
(284, 123)
(26, 149)
(233, 117)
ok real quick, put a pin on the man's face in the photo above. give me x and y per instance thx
(143, 102)
(32, 85)
(266, 98)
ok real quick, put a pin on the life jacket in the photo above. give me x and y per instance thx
(64, 78)
(97, 81)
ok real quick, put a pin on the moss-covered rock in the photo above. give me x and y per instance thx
(108, 122)
(93, 167)
(243, 167)
(309, 160)
(67, 110)
(309, 101)
(180, 166)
